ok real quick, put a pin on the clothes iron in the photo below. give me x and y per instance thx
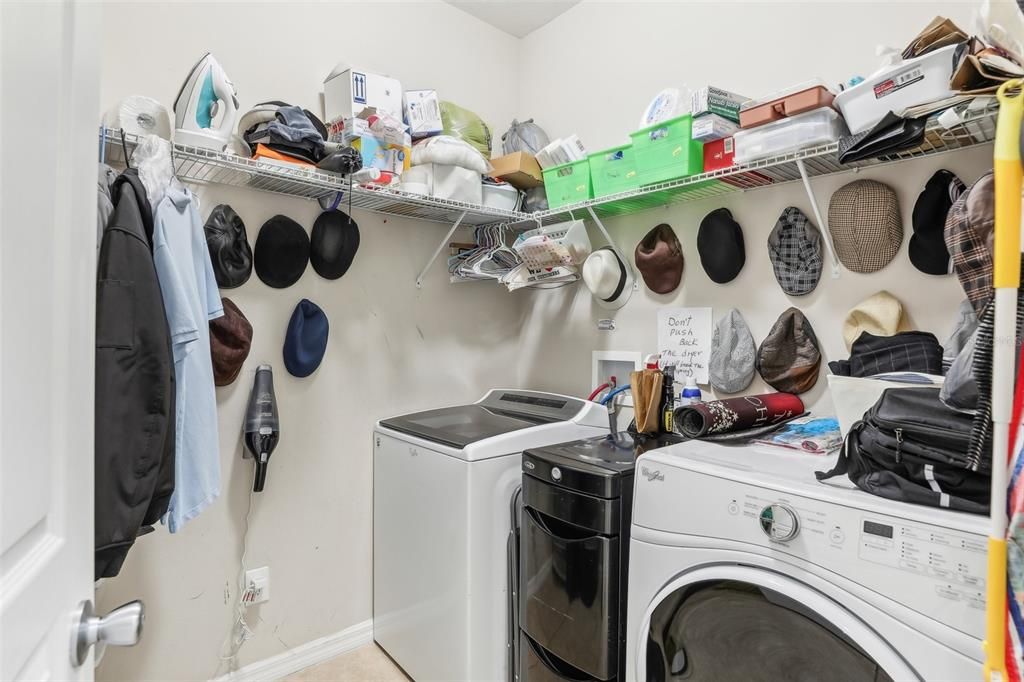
(262, 425)
(206, 93)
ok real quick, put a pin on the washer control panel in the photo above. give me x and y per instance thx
(931, 568)
(779, 522)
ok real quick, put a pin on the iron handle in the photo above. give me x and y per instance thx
(120, 627)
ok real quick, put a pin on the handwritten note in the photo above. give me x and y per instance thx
(684, 340)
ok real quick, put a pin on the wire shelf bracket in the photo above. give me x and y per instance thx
(438, 250)
(822, 225)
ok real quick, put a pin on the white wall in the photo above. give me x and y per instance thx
(751, 48)
(392, 348)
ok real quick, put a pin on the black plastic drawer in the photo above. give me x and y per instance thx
(570, 593)
(538, 665)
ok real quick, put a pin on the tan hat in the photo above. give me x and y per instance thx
(865, 223)
(880, 314)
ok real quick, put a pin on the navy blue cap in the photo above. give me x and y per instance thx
(306, 339)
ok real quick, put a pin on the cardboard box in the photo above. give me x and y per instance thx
(710, 127)
(348, 91)
(712, 100)
(519, 169)
(718, 154)
(423, 113)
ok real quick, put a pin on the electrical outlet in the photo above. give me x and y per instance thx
(257, 586)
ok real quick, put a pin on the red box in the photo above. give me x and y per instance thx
(718, 154)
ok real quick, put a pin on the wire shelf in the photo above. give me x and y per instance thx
(978, 127)
(205, 166)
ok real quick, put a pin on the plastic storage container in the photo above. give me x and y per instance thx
(791, 101)
(665, 151)
(810, 129)
(504, 196)
(613, 171)
(568, 183)
(907, 84)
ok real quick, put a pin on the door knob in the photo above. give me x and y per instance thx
(120, 627)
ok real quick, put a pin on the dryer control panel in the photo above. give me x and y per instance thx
(937, 571)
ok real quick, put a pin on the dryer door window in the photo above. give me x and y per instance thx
(734, 630)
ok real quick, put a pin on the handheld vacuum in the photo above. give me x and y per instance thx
(262, 426)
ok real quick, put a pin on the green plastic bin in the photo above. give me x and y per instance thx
(613, 171)
(568, 183)
(665, 151)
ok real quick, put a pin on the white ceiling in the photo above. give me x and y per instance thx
(518, 17)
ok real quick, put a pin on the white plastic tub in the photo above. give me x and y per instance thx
(444, 182)
(853, 396)
(504, 197)
(810, 129)
(907, 84)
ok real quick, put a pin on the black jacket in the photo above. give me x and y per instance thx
(134, 381)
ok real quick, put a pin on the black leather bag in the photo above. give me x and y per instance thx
(911, 447)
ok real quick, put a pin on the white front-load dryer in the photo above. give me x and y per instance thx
(442, 484)
(744, 567)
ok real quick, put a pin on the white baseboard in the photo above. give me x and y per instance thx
(304, 655)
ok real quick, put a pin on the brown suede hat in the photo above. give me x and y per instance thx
(230, 340)
(659, 258)
(789, 358)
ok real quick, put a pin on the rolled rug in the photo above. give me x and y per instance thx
(736, 414)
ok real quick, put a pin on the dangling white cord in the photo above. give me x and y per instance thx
(240, 631)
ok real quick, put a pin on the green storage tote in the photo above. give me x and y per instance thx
(613, 171)
(665, 151)
(568, 183)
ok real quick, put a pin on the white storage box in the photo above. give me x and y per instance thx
(853, 396)
(907, 84)
(348, 90)
(445, 182)
(810, 129)
(504, 196)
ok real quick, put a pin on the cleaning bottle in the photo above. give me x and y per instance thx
(690, 393)
(668, 403)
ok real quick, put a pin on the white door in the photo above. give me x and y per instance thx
(49, 91)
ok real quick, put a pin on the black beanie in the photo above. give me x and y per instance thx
(282, 252)
(720, 245)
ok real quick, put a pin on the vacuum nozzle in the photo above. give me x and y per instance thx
(262, 425)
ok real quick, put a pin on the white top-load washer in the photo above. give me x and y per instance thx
(743, 566)
(442, 485)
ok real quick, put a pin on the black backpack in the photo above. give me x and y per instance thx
(910, 447)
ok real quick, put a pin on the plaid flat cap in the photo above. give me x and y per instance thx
(969, 234)
(794, 245)
(865, 223)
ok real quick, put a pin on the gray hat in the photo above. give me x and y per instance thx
(963, 329)
(794, 246)
(732, 354)
(960, 391)
(867, 230)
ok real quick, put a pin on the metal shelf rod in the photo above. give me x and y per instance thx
(437, 251)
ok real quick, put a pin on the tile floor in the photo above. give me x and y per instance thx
(366, 664)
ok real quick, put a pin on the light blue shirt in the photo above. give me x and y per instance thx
(191, 300)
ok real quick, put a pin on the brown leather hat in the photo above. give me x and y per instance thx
(789, 358)
(659, 258)
(230, 340)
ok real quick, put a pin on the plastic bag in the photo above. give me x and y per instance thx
(535, 200)
(465, 125)
(524, 137)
